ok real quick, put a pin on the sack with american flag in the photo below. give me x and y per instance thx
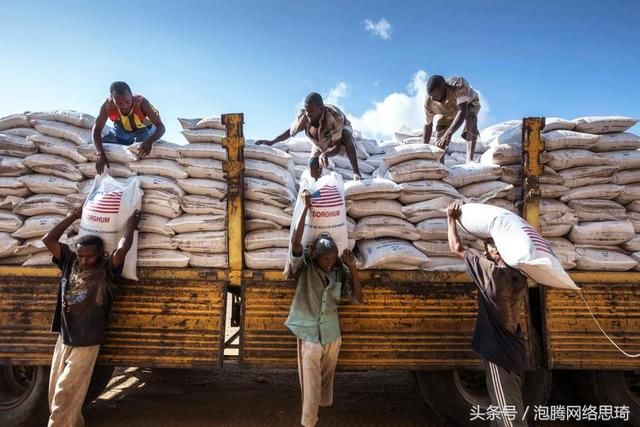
(107, 208)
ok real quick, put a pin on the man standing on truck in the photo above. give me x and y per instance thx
(83, 303)
(134, 119)
(328, 129)
(497, 336)
(313, 318)
(456, 103)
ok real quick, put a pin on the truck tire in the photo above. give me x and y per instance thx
(23, 394)
(452, 394)
(611, 388)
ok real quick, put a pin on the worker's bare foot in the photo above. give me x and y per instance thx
(356, 177)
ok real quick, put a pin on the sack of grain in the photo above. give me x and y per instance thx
(13, 187)
(434, 208)
(78, 136)
(344, 163)
(445, 263)
(256, 224)
(71, 117)
(192, 223)
(268, 154)
(160, 183)
(482, 191)
(471, 173)
(23, 132)
(202, 241)
(489, 134)
(591, 210)
(405, 152)
(106, 211)
(203, 150)
(115, 153)
(416, 170)
(9, 222)
(300, 157)
(198, 260)
(502, 154)
(262, 239)
(519, 244)
(16, 146)
(10, 202)
(202, 168)
(42, 204)
(628, 194)
(551, 191)
(604, 124)
(204, 135)
(38, 260)
(33, 246)
(261, 190)
(571, 158)
(587, 175)
(194, 204)
(155, 241)
(266, 259)
(433, 248)
(377, 226)
(361, 208)
(513, 207)
(624, 159)
(370, 146)
(159, 150)
(632, 245)
(14, 121)
(163, 258)
(13, 167)
(258, 210)
(37, 226)
(617, 141)
(598, 191)
(414, 192)
(214, 122)
(563, 139)
(627, 176)
(565, 251)
(269, 171)
(152, 223)
(375, 253)
(556, 123)
(204, 187)
(549, 176)
(161, 167)
(161, 203)
(116, 170)
(374, 188)
(437, 229)
(50, 145)
(49, 164)
(602, 233)
(603, 260)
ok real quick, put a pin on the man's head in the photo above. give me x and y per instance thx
(313, 106)
(437, 88)
(314, 167)
(121, 94)
(492, 252)
(325, 252)
(89, 251)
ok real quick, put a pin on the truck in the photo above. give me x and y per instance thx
(417, 321)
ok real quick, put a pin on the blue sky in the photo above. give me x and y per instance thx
(195, 58)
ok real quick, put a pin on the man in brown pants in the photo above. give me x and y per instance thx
(497, 336)
(456, 103)
(84, 300)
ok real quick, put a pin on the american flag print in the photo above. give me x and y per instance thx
(326, 197)
(104, 203)
(538, 242)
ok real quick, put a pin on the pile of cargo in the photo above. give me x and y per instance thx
(48, 166)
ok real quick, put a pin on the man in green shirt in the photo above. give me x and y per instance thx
(313, 318)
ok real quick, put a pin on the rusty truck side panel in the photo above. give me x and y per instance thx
(410, 320)
(170, 318)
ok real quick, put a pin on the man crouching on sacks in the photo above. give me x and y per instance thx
(313, 318)
(497, 336)
(84, 299)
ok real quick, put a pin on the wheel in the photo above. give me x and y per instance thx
(452, 394)
(614, 388)
(99, 381)
(23, 394)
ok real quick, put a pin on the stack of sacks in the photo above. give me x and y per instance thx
(591, 174)
(270, 195)
(184, 209)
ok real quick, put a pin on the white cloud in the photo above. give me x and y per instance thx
(400, 109)
(336, 94)
(382, 28)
